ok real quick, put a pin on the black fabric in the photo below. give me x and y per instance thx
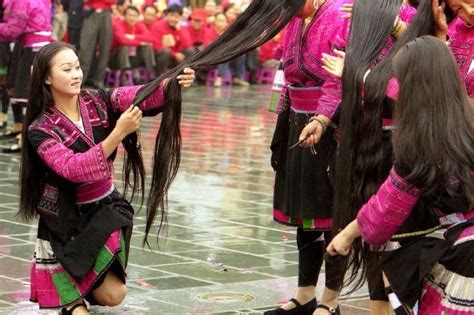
(416, 259)
(310, 253)
(23, 75)
(279, 145)
(302, 186)
(13, 65)
(91, 232)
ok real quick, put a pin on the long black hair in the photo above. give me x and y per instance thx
(434, 142)
(360, 167)
(371, 25)
(33, 170)
(262, 20)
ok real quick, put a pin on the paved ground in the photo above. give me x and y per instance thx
(223, 254)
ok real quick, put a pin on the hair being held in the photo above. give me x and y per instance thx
(262, 20)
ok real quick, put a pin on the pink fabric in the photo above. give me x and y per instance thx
(304, 100)
(123, 97)
(327, 30)
(392, 88)
(94, 191)
(139, 31)
(462, 45)
(311, 223)
(431, 303)
(45, 292)
(88, 167)
(386, 211)
(24, 18)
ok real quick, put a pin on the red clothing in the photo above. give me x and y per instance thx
(267, 50)
(196, 37)
(100, 4)
(181, 37)
(120, 29)
(210, 35)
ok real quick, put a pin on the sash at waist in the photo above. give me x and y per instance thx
(304, 99)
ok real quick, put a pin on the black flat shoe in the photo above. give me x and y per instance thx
(305, 309)
(331, 310)
(15, 148)
(65, 311)
(9, 134)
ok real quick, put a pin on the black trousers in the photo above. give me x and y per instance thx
(311, 250)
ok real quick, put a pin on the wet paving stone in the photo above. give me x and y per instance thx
(223, 254)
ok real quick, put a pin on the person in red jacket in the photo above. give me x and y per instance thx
(132, 43)
(196, 28)
(171, 41)
(150, 16)
(268, 52)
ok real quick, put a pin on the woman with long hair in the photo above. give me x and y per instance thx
(375, 26)
(365, 154)
(85, 224)
(303, 191)
(434, 165)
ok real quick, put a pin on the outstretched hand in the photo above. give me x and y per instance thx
(186, 79)
(347, 9)
(334, 64)
(441, 23)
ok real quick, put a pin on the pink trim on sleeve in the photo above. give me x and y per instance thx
(123, 97)
(87, 167)
(386, 211)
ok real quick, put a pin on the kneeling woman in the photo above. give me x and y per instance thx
(71, 136)
(433, 166)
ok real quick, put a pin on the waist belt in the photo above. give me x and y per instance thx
(304, 99)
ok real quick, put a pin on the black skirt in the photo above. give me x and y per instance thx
(303, 191)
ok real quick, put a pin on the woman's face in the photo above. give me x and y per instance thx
(464, 9)
(221, 22)
(65, 75)
(307, 9)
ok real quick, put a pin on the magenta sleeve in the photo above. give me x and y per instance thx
(121, 98)
(87, 167)
(385, 212)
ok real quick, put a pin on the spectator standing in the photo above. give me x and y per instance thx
(96, 35)
(75, 13)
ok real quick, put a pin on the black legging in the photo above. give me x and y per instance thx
(311, 251)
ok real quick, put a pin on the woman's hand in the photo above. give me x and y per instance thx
(341, 243)
(311, 134)
(347, 9)
(187, 78)
(129, 121)
(334, 64)
(441, 24)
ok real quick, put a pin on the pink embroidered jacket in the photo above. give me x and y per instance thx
(462, 45)
(79, 157)
(301, 56)
(386, 211)
(28, 20)
(303, 49)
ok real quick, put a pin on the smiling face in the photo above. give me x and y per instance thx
(65, 74)
(464, 9)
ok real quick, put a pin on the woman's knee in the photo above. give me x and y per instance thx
(115, 296)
